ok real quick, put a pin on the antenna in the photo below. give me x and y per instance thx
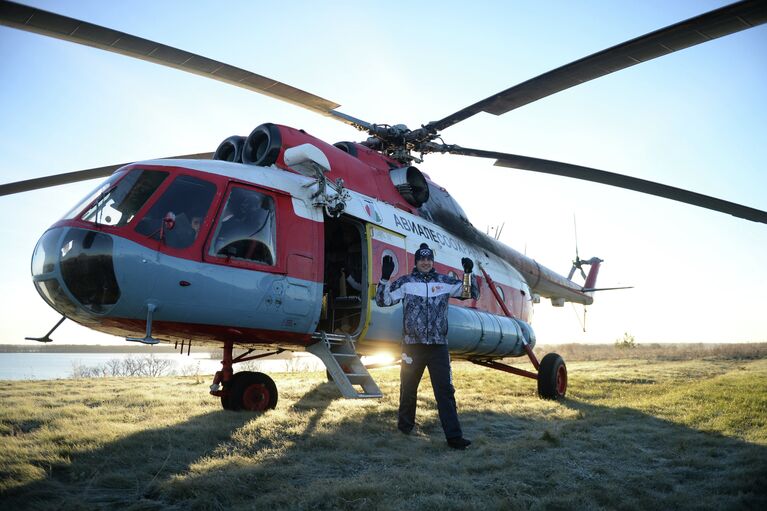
(582, 322)
(575, 230)
(497, 231)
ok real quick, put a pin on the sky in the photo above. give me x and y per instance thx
(694, 119)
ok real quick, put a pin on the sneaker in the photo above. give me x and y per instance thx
(458, 443)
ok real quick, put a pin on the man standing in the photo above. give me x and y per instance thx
(425, 295)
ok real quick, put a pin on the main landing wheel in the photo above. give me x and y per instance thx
(552, 377)
(254, 392)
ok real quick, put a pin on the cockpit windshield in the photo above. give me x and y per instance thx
(176, 217)
(117, 206)
(98, 191)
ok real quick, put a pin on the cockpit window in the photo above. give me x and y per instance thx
(246, 229)
(177, 215)
(119, 205)
(98, 191)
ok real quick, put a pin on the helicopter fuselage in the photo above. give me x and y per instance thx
(250, 254)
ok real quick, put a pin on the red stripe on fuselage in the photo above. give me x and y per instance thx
(200, 334)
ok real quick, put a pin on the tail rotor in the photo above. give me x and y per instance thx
(578, 262)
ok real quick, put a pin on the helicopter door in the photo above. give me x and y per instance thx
(345, 277)
(383, 242)
(264, 254)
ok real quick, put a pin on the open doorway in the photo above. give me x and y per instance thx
(345, 297)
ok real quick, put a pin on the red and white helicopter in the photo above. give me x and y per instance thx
(275, 240)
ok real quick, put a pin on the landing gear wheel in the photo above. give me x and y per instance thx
(552, 377)
(225, 398)
(254, 392)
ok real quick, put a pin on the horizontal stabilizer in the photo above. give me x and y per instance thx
(592, 289)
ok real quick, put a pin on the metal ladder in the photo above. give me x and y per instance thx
(343, 363)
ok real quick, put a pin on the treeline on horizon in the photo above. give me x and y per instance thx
(656, 351)
(569, 351)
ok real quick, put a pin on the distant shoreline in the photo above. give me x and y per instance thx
(100, 348)
(139, 349)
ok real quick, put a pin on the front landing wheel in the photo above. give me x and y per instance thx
(552, 377)
(254, 392)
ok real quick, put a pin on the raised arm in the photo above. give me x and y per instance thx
(388, 294)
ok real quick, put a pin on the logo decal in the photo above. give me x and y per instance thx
(371, 211)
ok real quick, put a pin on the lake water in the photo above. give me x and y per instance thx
(50, 366)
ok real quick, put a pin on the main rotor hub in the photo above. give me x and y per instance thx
(400, 142)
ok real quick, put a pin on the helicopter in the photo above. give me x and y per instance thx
(367, 195)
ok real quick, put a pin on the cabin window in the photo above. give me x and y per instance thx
(175, 217)
(118, 206)
(246, 228)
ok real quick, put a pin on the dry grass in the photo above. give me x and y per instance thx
(633, 434)
(657, 351)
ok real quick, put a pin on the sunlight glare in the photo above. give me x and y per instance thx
(382, 358)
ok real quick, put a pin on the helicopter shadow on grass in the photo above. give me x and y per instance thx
(117, 474)
(589, 457)
(315, 402)
(623, 457)
(580, 455)
(128, 472)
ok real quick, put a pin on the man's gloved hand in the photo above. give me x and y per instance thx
(387, 267)
(468, 265)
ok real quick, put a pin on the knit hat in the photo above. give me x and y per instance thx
(424, 252)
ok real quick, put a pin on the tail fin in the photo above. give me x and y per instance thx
(591, 279)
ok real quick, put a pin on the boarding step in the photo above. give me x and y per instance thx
(343, 363)
(339, 339)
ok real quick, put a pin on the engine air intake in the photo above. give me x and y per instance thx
(263, 145)
(349, 148)
(230, 149)
(411, 184)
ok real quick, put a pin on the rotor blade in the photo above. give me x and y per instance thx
(575, 230)
(351, 121)
(79, 175)
(50, 24)
(594, 289)
(711, 25)
(609, 178)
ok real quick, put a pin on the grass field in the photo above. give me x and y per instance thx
(634, 433)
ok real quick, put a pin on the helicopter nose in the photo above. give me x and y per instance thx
(74, 267)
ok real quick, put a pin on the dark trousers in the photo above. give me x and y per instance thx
(415, 358)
